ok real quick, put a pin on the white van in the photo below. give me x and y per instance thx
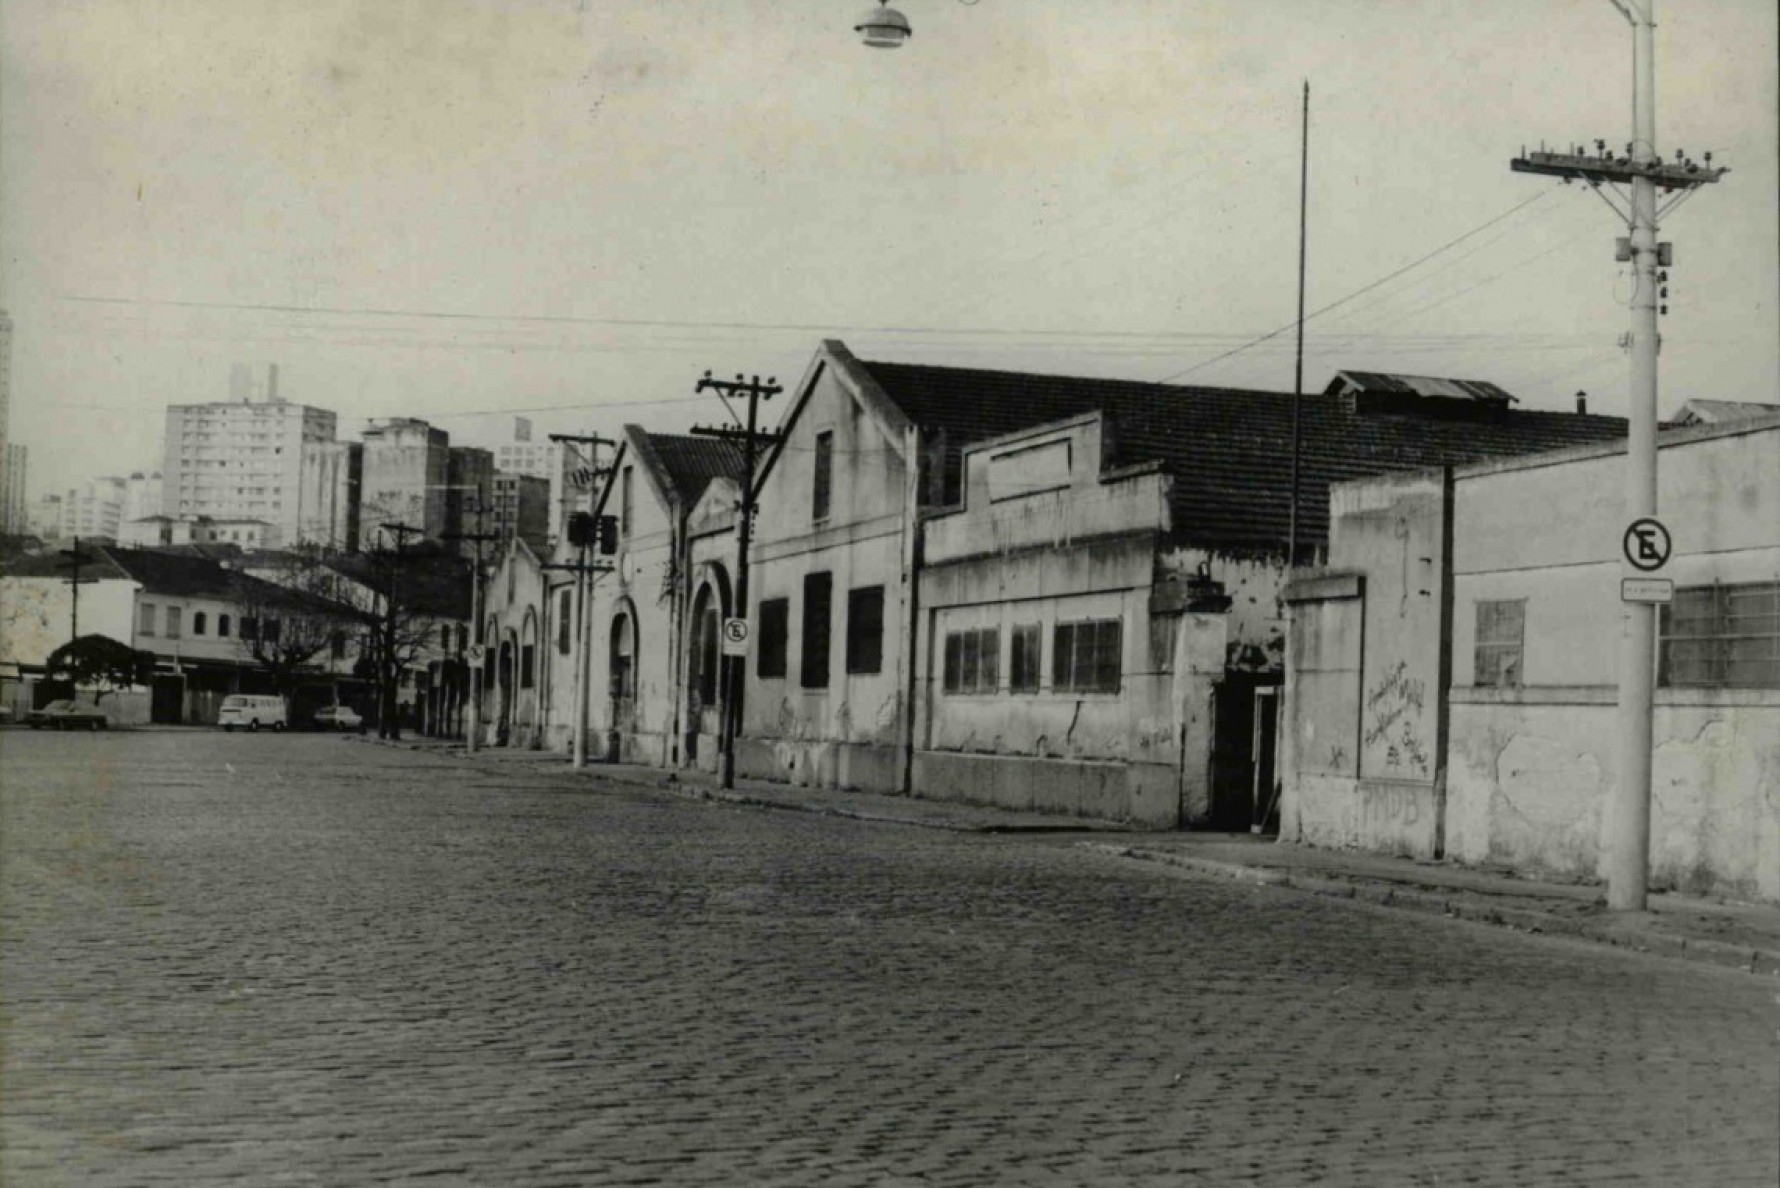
(251, 711)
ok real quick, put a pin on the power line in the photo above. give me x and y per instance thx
(1416, 263)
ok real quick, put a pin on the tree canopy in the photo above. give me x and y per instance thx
(101, 663)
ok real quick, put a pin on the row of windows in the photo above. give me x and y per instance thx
(1712, 637)
(865, 632)
(172, 625)
(1086, 657)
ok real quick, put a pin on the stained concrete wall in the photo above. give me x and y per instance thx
(1533, 768)
(1362, 767)
(1529, 770)
(35, 614)
(846, 733)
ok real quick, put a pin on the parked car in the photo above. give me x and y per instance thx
(69, 715)
(251, 710)
(338, 717)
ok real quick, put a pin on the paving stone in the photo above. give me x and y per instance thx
(302, 960)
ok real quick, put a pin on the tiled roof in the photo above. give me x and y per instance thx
(179, 574)
(54, 564)
(690, 463)
(1228, 450)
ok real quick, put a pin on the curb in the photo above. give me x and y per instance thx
(1757, 961)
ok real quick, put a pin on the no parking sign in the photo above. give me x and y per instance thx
(735, 637)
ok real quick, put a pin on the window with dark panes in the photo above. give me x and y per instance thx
(624, 498)
(775, 631)
(865, 629)
(199, 622)
(250, 627)
(823, 491)
(973, 660)
(565, 622)
(528, 659)
(704, 651)
(222, 626)
(1024, 673)
(1500, 648)
(1721, 637)
(269, 630)
(1086, 657)
(818, 592)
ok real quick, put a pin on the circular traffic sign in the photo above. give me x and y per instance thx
(1646, 544)
(735, 631)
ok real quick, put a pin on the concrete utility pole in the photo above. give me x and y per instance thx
(582, 570)
(751, 436)
(1643, 171)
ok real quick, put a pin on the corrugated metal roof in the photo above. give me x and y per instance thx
(1418, 385)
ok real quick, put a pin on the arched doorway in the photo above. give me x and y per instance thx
(526, 719)
(704, 669)
(622, 681)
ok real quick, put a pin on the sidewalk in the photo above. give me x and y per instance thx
(1714, 932)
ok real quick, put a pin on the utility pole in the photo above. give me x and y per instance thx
(473, 732)
(76, 558)
(387, 724)
(735, 668)
(582, 570)
(1643, 172)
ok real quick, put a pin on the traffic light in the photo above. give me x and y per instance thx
(581, 529)
(608, 535)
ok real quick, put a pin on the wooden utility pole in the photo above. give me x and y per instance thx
(388, 725)
(473, 730)
(582, 570)
(735, 668)
(76, 558)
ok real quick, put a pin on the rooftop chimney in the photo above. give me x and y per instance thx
(1582, 404)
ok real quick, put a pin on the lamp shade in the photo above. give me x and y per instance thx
(883, 27)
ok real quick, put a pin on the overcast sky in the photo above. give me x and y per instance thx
(446, 209)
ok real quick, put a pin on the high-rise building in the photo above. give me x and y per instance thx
(558, 464)
(242, 459)
(13, 511)
(521, 508)
(333, 474)
(11, 506)
(469, 488)
(142, 495)
(407, 469)
(95, 509)
(43, 519)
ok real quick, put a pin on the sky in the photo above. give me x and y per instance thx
(570, 209)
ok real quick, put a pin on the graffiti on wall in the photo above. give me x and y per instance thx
(1394, 720)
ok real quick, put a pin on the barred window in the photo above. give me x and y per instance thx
(1087, 657)
(973, 660)
(775, 623)
(865, 629)
(1501, 633)
(1024, 668)
(818, 590)
(1722, 637)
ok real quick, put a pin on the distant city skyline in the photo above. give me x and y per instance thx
(568, 212)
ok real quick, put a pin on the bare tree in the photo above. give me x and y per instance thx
(293, 615)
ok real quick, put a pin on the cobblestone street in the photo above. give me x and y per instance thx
(256, 960)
